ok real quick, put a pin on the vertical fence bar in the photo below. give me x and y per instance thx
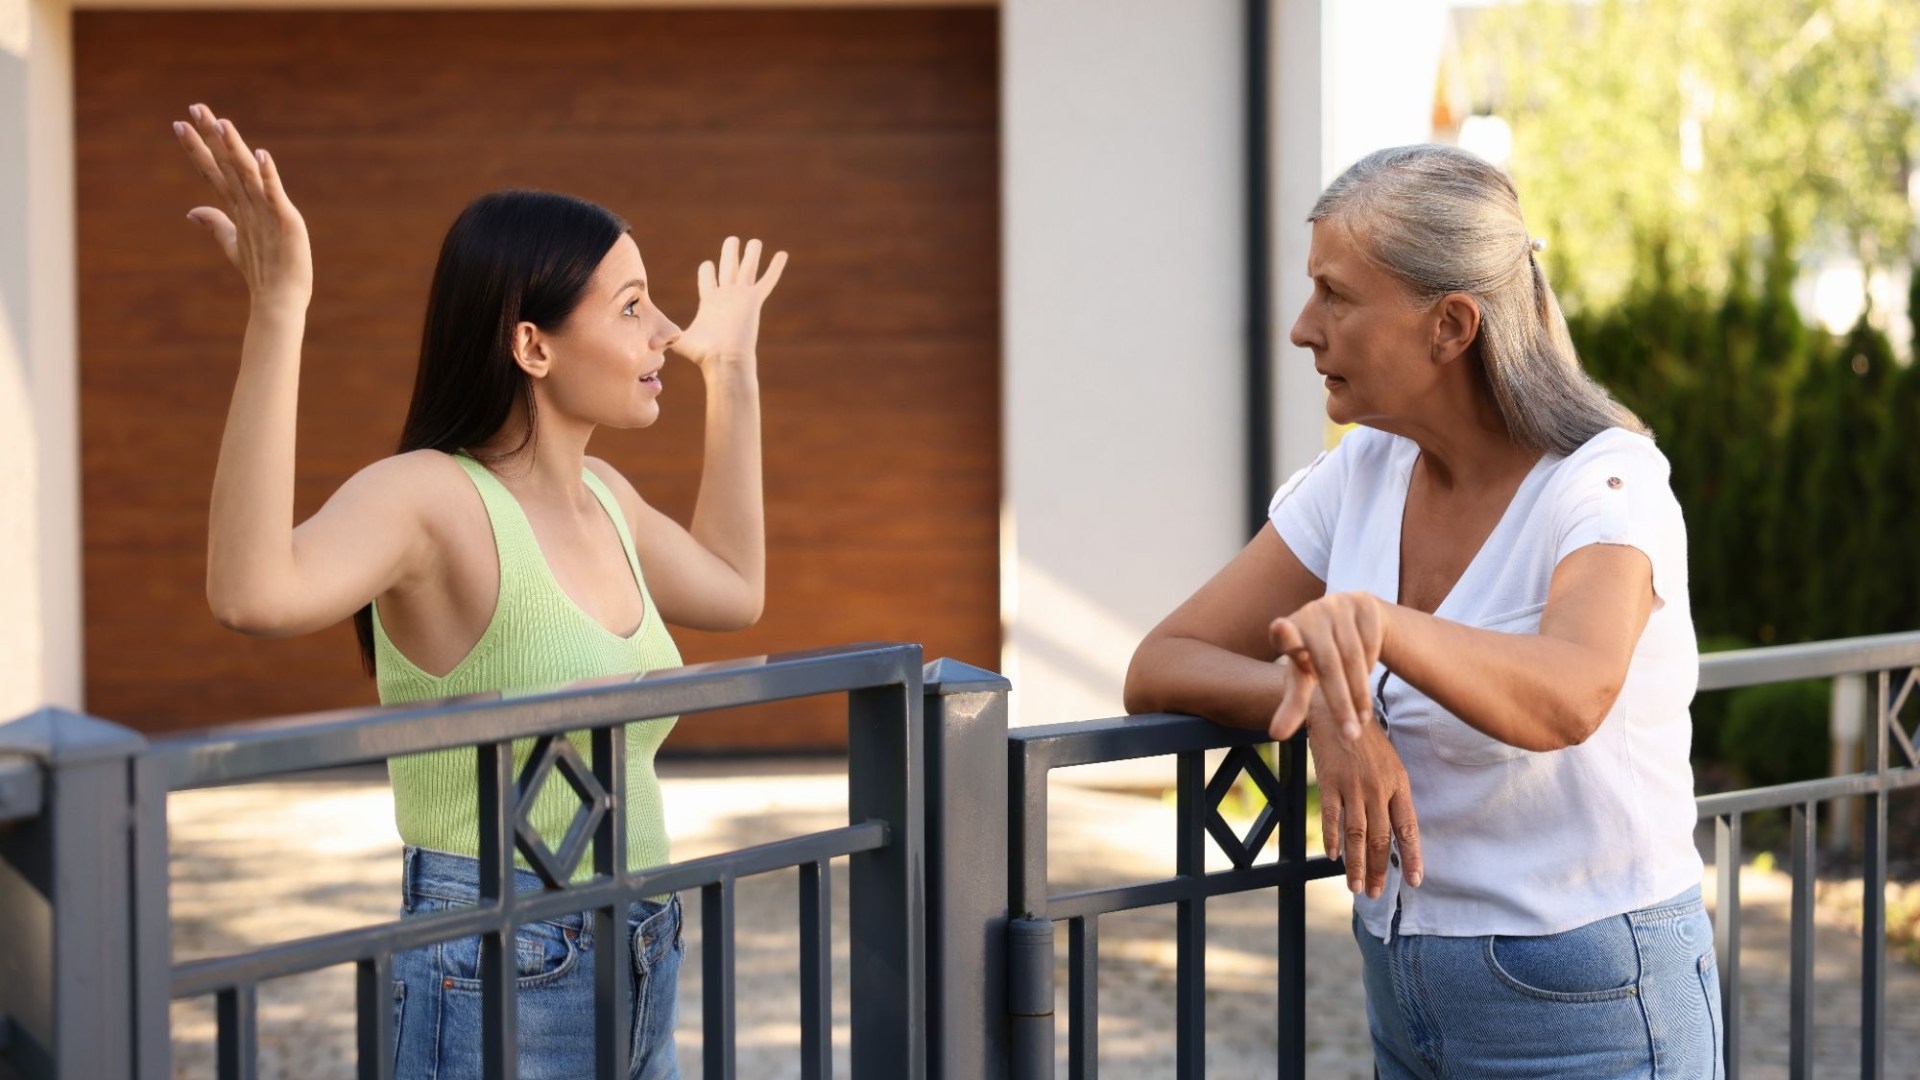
(1190, 966)
(964, 712)
(499, 1009)
(1800, 958)
(74, 990)
(612, 988)
(237, 1043)
(816, 972)
(1029, 933)
(716, 979)
(1083, 998)
(151, 975)
(1291, 767)
(1727, 857)
(886, 902)
(373, 1020)
(1873, 899)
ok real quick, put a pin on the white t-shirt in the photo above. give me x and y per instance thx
(1517, 841)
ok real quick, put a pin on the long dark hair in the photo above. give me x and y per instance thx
(510, 257)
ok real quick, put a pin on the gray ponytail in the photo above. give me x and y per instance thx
(1444, 221)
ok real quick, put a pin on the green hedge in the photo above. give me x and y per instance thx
(1795, 452)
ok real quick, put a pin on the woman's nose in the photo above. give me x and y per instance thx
(1304, 333)
(665, 334)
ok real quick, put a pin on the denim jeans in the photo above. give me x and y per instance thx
(1632, 997)
(436, 989)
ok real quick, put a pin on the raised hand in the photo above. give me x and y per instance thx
(727, 326)
(259, 231)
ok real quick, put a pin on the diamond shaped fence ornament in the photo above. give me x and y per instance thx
(1243, 849)
(1894, 726)
(551, 754)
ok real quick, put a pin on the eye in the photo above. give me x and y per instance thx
(631, 304)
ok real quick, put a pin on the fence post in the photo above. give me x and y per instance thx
(886, 901)
(966, 741)
(83, 895)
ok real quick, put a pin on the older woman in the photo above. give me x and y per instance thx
(1477, 605)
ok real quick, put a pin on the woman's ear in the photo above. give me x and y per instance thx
(530, 350)
(1456, 326)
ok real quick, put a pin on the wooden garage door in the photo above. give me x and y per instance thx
(864, 142)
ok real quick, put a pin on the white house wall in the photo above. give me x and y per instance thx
(40, 646)
(1125, 317)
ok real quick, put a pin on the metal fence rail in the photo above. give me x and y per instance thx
(103, 819)
(952, 917)
(1894, 659)
(1033, 753)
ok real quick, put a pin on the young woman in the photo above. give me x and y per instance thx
(491, 553)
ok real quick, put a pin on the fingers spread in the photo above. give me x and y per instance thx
(707, 278)
(270, 177)
(774, 268)
(750, 262)
(202, 158)
(730, 260)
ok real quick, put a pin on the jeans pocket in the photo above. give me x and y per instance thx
(543, 953)
(1595, 962)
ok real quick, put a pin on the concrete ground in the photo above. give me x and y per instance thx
(259, 864)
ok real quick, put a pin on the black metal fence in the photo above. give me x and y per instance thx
(951, 913)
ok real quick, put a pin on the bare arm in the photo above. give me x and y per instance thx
(713, 576)
(264, 576)
(1212, 656)
(1538, 691)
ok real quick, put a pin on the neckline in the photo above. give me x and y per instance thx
(593, 487)
(1400, 526)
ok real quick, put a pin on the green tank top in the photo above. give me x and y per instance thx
(538, 638)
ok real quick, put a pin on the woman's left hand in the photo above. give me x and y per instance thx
(1334, 642)
(727, 326)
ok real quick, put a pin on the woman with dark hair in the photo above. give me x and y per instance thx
(1477, 606)
(491, 554)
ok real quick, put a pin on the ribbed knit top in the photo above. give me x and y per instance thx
(538, 638)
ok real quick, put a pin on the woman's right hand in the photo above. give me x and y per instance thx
(260, 231)
(1366, 803)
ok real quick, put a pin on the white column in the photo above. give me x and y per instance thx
(40, 616)
(1125, 316)
(1348, 79)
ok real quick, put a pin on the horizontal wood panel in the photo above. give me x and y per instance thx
(863, 142)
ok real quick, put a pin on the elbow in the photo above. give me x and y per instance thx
(1577, 720)
(233, 610)
(1137, 692)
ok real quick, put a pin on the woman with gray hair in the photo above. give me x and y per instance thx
(1477, 606)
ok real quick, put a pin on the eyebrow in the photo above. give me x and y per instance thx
(640, 283)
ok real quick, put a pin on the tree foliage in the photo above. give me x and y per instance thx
(1702, 129)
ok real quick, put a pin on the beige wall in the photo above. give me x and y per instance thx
(40, 654)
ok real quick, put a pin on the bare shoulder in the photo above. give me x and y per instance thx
(617, 483)
(420, 477)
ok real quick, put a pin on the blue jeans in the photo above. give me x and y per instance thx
(436, 989)
(1632, 997)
